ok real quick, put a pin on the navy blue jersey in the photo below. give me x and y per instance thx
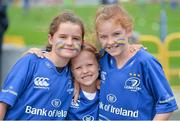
(84, 109)
(35, 90)
(137, 91)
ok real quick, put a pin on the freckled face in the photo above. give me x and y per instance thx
(112, 37)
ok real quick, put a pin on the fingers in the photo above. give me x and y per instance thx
(145, 48)
(39, 53)
(76, 96)
(28, 52)
(35, 51)
(135, 47)
(98, 84)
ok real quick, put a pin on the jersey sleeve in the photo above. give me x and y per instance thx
(159, 87)
(17, 80)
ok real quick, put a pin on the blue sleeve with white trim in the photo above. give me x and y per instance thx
(17, 80)
(159, 86)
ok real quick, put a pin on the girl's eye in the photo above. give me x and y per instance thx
(117, 34)
(77, 39)
(62, 37)
(89, 64)
(102, 37)
(77, 68)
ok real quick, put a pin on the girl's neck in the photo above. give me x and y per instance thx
(57, 60)
(125, 55)
(90, 89)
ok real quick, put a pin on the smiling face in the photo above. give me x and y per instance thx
(85, 68)
(112, 37)
(66, 41)
(113, 28)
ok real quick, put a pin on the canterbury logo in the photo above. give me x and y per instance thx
(41, 82)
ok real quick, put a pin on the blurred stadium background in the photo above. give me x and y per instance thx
(28, 23)
(157, 26)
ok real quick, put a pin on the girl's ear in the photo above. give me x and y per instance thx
(50, 39)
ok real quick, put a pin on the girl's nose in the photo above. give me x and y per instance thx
(84, 70)
(69, 41)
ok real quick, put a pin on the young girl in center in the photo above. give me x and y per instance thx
(85, 70)
(41, 88)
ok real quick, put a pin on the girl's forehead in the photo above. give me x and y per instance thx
(86, 54)
(69, 27)
(108, 27)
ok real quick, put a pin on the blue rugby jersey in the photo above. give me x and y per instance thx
(137, 91)
(35, 90)
(84, 109)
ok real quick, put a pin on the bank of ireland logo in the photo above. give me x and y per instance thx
(56, 103)
(88, 118)
(132, 84)
(111, 98)
(41, 82)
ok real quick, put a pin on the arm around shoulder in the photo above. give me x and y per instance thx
(162, 117)
(3, 109)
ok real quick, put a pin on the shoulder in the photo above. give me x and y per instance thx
(105, 61)
(145, 55)
(146, 58)
(104, 56)
(28, 59)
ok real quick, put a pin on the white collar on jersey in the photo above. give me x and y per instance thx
(89, 96)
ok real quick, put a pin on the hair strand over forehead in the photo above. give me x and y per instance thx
(115, 13)
(64, 17)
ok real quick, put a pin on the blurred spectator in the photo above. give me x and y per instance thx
(3, 27)
(9, 2)
(142, 5)
(173, 4)
(163, 25)
(26, 6)
(109, 1)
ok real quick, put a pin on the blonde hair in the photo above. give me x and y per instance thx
(117, 14)
(89, 47)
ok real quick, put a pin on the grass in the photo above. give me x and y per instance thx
(33, 25)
